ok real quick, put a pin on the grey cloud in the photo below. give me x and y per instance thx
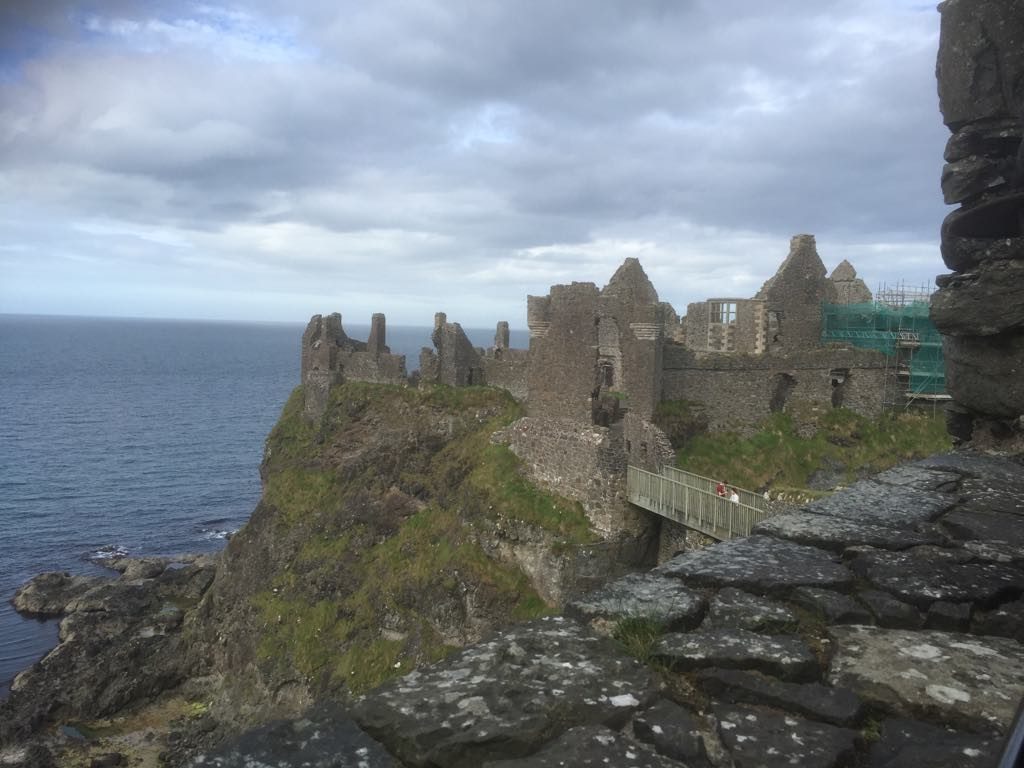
(482, 130)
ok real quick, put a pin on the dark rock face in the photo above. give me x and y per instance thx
(673, 732)
(734, 609)
(924, 577)
(909, 742)
(506, 697)
(120, 644)
(980, 308)
(324, 738)
(839, 706)
(784, 656)
(767, 738)
(590, 745)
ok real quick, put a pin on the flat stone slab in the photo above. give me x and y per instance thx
(761, 564)
(989, 482)
(994, 536)
(324, 738)
(674, 732)
(650, 596)
(839, 706)
(834, 607)
(911, 743)
(736, 609)
(837, 533)
(960, 680)
(758, 737)
(506, 697)
(922, 576)
(894, 506)
(590, 745)
(783, 656)
(920, 477)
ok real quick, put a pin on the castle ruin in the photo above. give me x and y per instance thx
(601, 360)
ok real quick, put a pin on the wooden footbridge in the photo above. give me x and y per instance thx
(691, 500)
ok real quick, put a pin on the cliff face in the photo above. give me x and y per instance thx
(390, 531)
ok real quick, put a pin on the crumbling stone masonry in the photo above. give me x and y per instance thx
(979, 308)
(455, 362)
(329, 357)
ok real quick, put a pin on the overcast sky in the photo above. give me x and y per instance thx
(271, 160)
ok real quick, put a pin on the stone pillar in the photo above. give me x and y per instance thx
(501, 335)
(979, 308)
(376, 344)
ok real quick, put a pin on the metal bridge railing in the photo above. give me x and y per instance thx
(695, 507)
(748, 498)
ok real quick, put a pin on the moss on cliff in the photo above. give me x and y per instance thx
(373, 534)
(844, 443)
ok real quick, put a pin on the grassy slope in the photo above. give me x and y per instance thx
(779, 458)
(388, 545)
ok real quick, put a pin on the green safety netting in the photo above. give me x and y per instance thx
(890, 330)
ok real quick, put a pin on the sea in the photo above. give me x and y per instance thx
(136, 437)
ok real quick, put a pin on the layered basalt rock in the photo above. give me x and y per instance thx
(979, 308)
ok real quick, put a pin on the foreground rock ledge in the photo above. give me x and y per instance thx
(506, 697)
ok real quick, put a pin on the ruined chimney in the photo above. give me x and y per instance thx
(376, 344)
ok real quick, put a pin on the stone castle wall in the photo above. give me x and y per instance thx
(582, 462)
(738, 392)
(563, 352)
(329, 357)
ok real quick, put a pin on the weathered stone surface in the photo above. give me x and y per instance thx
(838, 533)
(736, 609)
(590, 745)
(919, 477)
(998, 532)
(1005, 621)
(763, 738)
(839, 706)
(980, 62)
(922, 576)
(506, 697)
(890, 612)
(948, 617)
(673, 732)
(984, 373)
(760, 564)
(834, 607)
(649, 596)
(324, 738)
(784, 656)
(48, 594)
(961, 680)
(897, 506)
(972, 176)
(962, 252)
(911, 743)
(992, 138)
(987, 300)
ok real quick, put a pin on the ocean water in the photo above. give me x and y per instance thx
(135, 437)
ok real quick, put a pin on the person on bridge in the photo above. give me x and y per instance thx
(734, 497)
(720, 489)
